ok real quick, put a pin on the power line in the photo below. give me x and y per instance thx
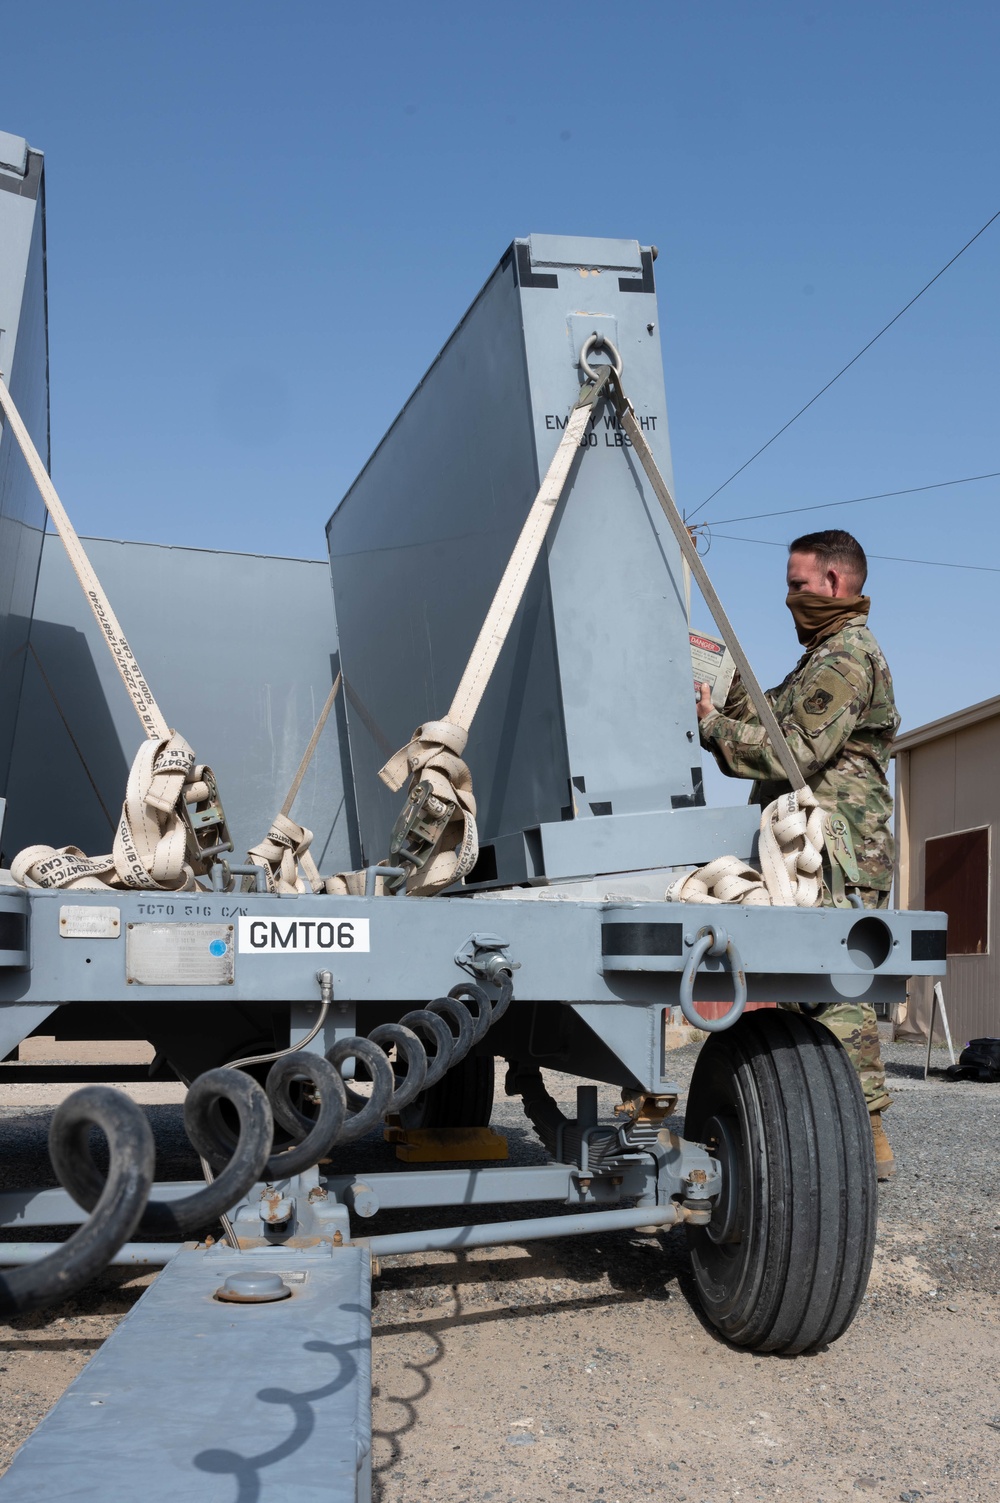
(931, 563)
(847, 367)
(854, 500)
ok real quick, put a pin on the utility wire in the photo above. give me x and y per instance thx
(847, 367)
(854, 500)
(931, 563)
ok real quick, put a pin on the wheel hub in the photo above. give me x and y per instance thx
(721, 1134)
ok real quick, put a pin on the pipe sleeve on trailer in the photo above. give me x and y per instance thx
(131, 1255)
(455, 1238)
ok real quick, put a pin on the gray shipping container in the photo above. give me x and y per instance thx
(584, 752)
(24, 362)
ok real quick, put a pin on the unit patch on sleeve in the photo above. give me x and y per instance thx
(818, 701)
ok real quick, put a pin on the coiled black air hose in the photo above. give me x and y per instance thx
(117, 1208)
(239, 1169)
(321, 1131)
(119, 1205)
(448, 1024)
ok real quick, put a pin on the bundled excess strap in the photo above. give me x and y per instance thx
(154, 846)
(792, 835)
(284, 852)
(440, 812)
(285, 858)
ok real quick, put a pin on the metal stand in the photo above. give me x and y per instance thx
(936, 1006)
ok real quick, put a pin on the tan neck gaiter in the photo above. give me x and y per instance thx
(819, 616)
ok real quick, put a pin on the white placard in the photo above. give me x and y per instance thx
(79, 922)
(297, 936)
(713, 665)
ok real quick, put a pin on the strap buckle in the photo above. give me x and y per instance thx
(421, 823)
(207, 833)
(843, 863)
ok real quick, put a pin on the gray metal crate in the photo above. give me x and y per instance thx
(584, 753)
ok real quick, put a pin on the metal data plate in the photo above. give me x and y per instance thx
(79, 922)
(179, 954)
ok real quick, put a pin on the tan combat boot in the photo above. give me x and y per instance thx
(885, 1164)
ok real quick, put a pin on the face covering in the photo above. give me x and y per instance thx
(818, 616)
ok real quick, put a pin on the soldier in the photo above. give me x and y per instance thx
(838, 715)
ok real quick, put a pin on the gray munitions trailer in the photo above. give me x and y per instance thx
(560, 950)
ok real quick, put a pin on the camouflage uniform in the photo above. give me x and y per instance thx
(838, 715)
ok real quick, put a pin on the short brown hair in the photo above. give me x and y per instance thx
(838, 548)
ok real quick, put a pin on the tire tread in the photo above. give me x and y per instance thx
(810, 1237)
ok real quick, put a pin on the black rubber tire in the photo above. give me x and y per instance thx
(462, 1098)
(801, 1228)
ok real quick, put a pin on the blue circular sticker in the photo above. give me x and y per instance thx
(218, 947)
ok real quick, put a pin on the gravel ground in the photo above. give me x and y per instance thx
(582, 1368)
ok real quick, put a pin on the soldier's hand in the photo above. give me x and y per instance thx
(703, 703)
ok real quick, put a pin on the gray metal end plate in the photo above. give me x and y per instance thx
(195, 1399)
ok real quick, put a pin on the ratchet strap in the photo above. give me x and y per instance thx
(841, 862)
(766, 716)
(792, 828)
(172, 822)
(284, 853)
(435, 838)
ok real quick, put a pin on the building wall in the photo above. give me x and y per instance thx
(946, 785)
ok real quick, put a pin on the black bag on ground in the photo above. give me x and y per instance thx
(979, 1060)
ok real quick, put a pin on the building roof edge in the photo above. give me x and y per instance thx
(958, 720)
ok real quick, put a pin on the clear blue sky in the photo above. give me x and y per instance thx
(263, 221)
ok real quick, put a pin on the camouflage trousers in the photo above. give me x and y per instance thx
(855, 1025)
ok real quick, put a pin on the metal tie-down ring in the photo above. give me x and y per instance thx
(597, 341)
(712, 939)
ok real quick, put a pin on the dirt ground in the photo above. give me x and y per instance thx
(582, 1368)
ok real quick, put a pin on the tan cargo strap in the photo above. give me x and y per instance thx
(510, 590)
(156, 843)
(284, 854)
(435, 837)
(689, 552)
(148, 711)
(172, 822)
(792, 831)
(440, 811)
(284, 857)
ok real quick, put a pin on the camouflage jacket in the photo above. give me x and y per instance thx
(837, 712)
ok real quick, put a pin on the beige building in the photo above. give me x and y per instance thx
(947, 820)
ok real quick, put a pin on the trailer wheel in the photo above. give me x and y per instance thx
(462, 1098)
(784, 1263)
